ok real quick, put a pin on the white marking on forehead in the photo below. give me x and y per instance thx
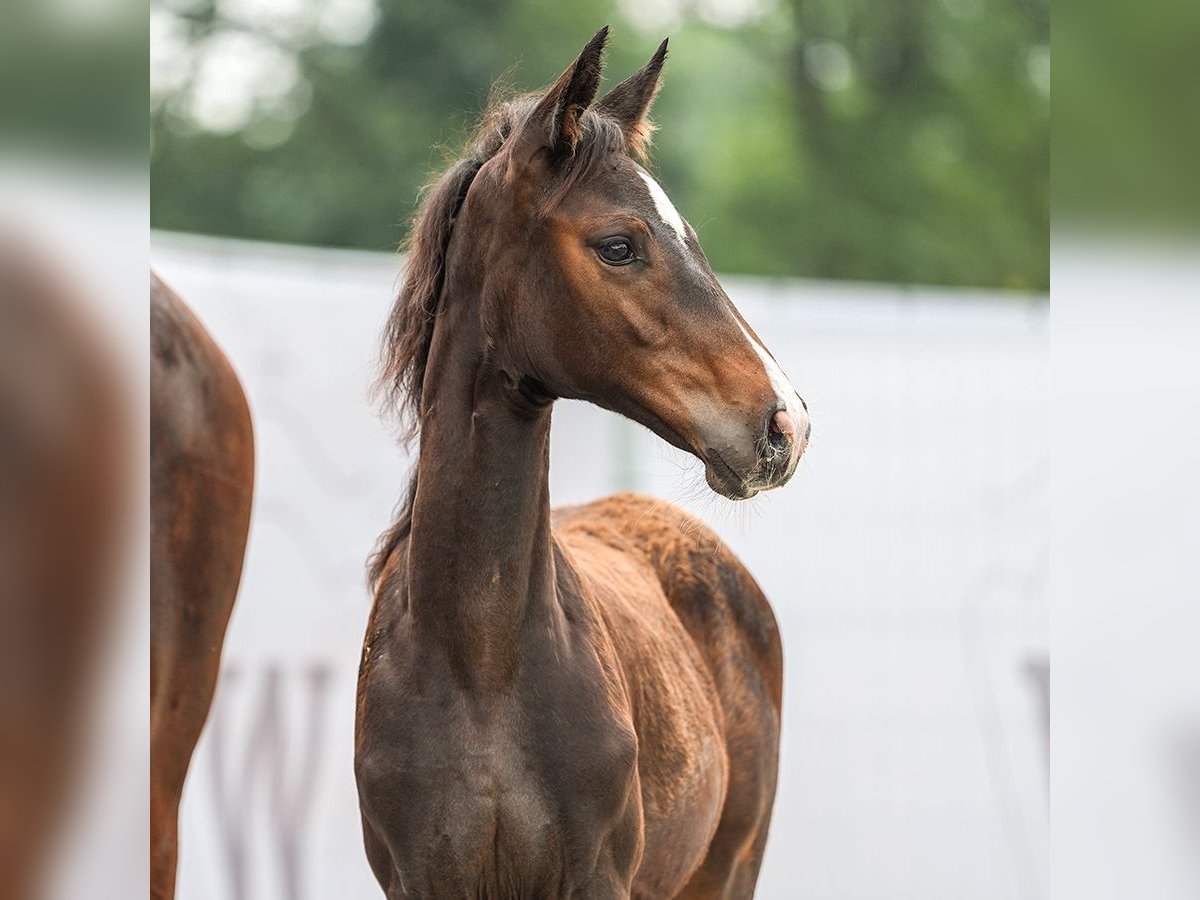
(662, 203)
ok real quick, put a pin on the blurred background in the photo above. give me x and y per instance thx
(883, 140)
(870, 179)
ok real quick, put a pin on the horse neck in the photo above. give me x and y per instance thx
(480, 558)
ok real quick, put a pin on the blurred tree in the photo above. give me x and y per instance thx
(893, 140)
(73, 82)
(1127, 144)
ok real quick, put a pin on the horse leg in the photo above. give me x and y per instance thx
(177, 717)
(730, 870)
(202, 477)
(164, 848)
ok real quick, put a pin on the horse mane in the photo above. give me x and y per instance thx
(408, 333)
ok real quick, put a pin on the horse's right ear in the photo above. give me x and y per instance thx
(554, 123)
(629, 102)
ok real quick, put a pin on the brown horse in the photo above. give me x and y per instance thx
(65, 471)
(201, 482)
(585, 703)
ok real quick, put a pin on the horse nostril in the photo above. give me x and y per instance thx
(781, 430)
(783, 423)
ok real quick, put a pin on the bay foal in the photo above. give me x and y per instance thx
(582, 703)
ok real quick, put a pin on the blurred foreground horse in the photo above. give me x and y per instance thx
(201, 483)
(582, 703)
(65, 474)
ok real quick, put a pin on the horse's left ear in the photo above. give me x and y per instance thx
(629, 102)
(554, 123)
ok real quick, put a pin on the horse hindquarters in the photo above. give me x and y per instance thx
(731, 621)
(202, 473)
(730, 639)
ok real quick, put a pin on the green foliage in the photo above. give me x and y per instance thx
(891, 140)
(1126, 146)
(73, 82)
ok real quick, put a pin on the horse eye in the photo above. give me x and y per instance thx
(616, 252)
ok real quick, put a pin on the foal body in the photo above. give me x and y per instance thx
(579, 704)
(584, 703)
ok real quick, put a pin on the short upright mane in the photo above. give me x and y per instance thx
(408, 334)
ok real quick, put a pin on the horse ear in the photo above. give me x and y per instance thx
(629, 102)
(554, 122)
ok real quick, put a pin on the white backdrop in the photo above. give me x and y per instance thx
(907, 562)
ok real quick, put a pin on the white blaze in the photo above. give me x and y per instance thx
(784, 392)
(666, 209)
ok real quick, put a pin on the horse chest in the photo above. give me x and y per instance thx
(526, 787)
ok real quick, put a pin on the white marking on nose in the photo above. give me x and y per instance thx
(784, 392)
(666, 209)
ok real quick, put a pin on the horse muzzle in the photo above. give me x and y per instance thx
(740, 465)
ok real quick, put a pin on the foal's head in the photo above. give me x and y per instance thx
(591, 284)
